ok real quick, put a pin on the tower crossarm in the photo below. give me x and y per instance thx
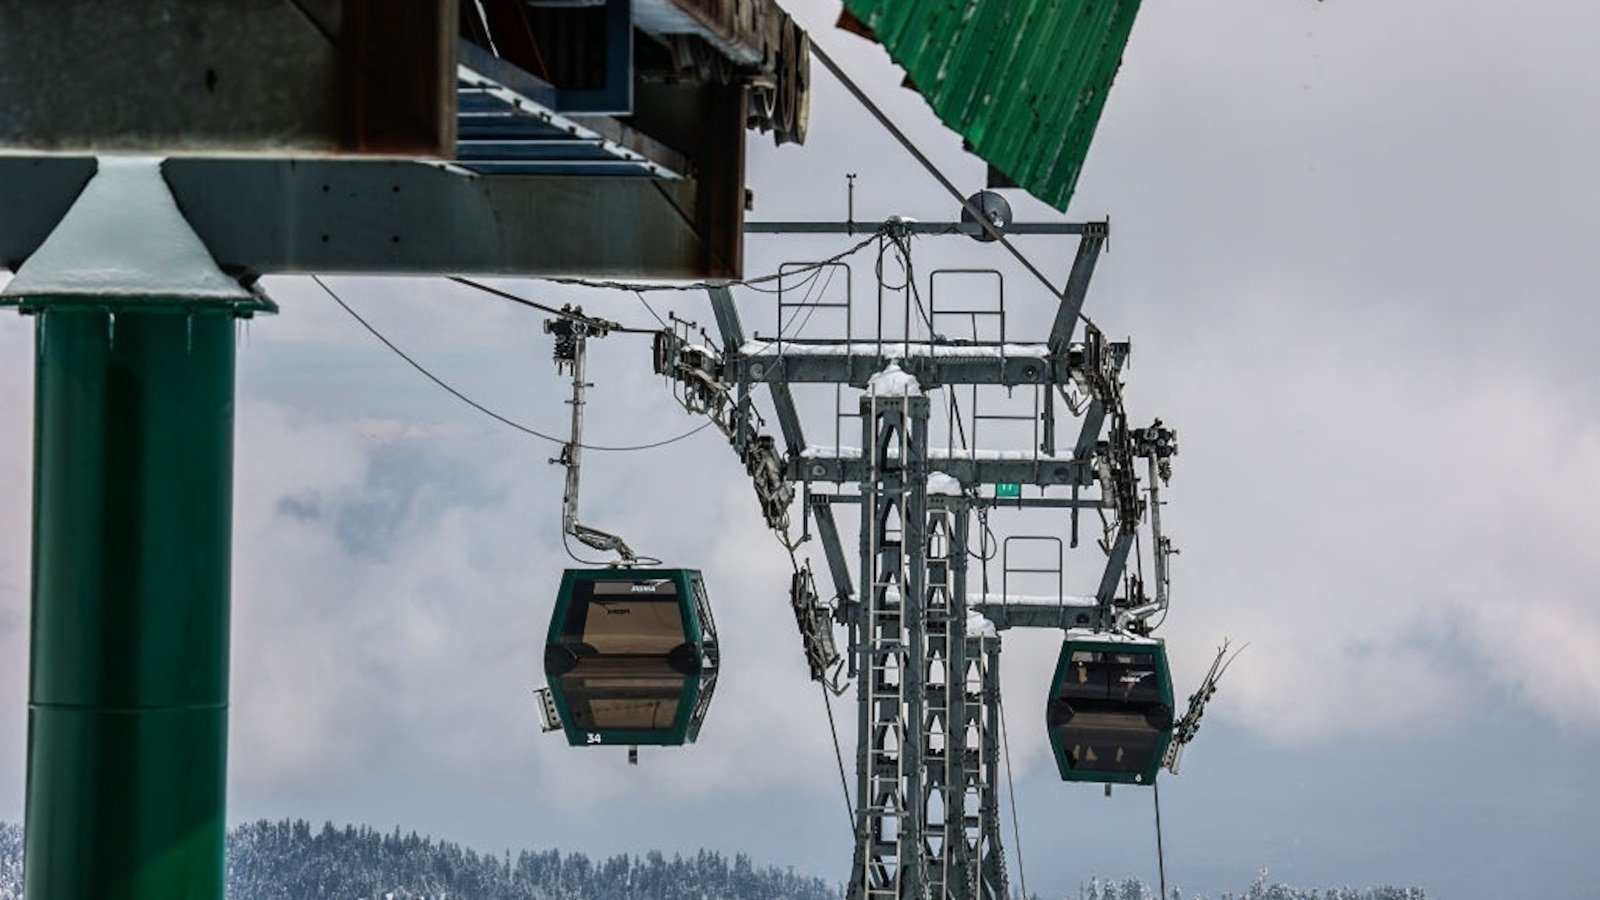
(934, 363)
(843, 465)
(1025, 614)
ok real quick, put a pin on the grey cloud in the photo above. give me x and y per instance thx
(1352, 243)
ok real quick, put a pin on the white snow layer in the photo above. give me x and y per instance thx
(1072, 600)
(844, 451)
(978, 626)
(914, 348)
(944, 485)
(1111, 637)
(893, 381)
(124, 237)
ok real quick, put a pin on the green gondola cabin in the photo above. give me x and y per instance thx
(631, 656)
(1110, 711)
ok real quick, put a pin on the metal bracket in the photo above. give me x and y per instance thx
(549, 716)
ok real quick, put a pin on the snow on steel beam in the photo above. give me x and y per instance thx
(797, 362)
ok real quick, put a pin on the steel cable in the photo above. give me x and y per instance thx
(966, 204)
(484, 409)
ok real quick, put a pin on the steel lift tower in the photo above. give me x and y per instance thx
(924, 648)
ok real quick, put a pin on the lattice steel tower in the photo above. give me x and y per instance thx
(924, 647)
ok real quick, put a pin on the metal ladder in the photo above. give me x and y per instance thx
(883, 728)
(941, 718)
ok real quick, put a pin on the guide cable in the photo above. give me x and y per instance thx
(966, 203)
(706, 285)
(1016, 827)
(1161, 855)
(838, 756)
(423, 370)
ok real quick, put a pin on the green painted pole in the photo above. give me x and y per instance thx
(128, 693)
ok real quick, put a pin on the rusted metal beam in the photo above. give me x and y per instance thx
(417, 218)
(197, 77)
(377, 217)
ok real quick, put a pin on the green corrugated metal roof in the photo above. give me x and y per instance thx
(1023, 80)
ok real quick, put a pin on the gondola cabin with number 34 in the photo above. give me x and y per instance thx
(631, 656)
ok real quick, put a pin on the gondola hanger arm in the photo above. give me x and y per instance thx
(572, 332)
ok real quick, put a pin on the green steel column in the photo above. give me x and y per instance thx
(127, 720)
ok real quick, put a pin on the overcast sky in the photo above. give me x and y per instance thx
(1352, 242)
